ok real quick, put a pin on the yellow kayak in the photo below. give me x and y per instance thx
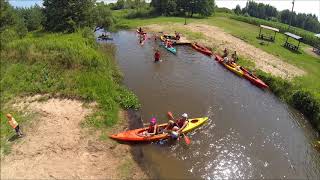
(135, 135)
(194, 123)
(234, 68)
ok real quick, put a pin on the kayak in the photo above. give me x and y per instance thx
(136, 134)
(232, 67)
(201, 49)
(172, 49)
(162, 38)
(169, 37)
(253, 79)
(105, 38)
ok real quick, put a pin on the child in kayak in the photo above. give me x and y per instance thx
(157, 56)
(172, 129)
(153, 128)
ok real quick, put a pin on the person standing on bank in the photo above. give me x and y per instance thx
(14, 124)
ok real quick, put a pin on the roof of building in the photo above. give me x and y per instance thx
(270, 28)
(293, 36)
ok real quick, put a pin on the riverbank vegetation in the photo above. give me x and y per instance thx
(308, 22)
(61, 64)
(301, 92)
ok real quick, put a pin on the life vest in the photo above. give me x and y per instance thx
(13, 123)
(151, 129)
(180, 122)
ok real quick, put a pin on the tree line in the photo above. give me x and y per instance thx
(183, 7)
(54, 16)
(265, 11)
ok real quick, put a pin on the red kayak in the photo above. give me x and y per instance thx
(201, 49)
(253, 79)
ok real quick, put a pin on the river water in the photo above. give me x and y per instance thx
(250, 132)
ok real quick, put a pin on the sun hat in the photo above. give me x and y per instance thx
(153, 120)
(185, 115)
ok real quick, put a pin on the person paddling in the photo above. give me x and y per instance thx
(14, 124)
(157, 56)
(183, 122)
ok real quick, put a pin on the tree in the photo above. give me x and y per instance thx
(103, 15)
(237, 10)
(68, 15)
(33, 17)
(7, 15)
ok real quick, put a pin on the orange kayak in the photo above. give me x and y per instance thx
(136, 135)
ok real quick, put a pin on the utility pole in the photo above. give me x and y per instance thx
(291, 14)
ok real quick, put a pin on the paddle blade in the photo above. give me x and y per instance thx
(170, 115)
(187, 140)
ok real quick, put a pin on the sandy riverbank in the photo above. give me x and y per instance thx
(56, 147)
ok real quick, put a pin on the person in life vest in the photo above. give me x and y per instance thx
(13, 123)
(234, 57)
(157, 56)
(153, 128)
(182, 122)
(225, 53)
(177, 35)
(172, 129)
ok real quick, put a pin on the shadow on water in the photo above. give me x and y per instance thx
(250, 133)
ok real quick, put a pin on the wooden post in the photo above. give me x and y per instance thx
(274, 37)
(260, 32)
(298, 44)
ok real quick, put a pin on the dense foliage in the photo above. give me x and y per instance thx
(128, 4)
(181, 7)
(103, 15)
(308, 37)
(68, 15)
(33, 17)
(265, 11)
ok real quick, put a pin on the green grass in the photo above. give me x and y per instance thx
(302, 92)
(68, 65)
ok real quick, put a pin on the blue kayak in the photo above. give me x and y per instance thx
(172, 49)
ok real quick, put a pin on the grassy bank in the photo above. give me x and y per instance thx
(301, 92)
(64, 65)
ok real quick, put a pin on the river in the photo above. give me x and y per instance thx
(250, 133)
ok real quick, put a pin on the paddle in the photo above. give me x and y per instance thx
(186, 138)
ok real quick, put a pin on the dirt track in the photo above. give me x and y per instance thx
(55, 147)
(216, 37)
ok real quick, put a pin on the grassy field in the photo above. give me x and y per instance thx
(65, 65)
(302, 92)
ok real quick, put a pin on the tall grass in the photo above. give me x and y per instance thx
(70, 65)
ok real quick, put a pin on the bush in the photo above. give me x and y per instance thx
(308, 105)
(140, 13)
